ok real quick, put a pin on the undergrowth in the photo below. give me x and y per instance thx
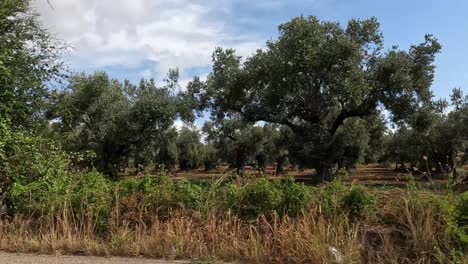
(49, 209)
(261, 221)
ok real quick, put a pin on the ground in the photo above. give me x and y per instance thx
(16, 258)
(372, 175)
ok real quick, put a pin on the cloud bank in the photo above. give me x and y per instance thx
(129, 34)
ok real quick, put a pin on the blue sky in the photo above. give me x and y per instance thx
(143, 38)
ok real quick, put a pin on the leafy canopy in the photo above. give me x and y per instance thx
(318, 74)
(29, 59)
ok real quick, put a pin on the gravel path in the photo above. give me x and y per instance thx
(16, 258)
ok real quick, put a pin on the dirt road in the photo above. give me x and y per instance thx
(15, 258)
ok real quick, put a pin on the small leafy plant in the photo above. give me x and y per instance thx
(357, 202)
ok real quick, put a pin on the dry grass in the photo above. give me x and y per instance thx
(281, 240)
(399, 231)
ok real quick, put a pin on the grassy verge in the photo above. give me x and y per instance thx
(258, 221)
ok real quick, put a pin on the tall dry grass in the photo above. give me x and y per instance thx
(403, 228)
(305, 239)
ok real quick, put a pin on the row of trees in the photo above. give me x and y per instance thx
(117, 120)
(321, 95)
(130, 126)
(438, 138)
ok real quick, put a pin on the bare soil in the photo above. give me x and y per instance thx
(17, 258)
(372, 175)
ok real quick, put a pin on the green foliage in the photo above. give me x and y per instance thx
(329, 197)
(26, 157)
(461, 211)
(359, 140)
(48, 194)
(119, 121)
(190, 149)
(440, 140)
(189, 195)
(335, 199)
(461, 220)
(210, 157)
(258, 197)
(265, 197)
(98, 121)
(420, 207)
(296, 197)
(261, 197)
(240, 143)
(92, 195)
(33, 173)
(40, 182)
(357, 202)
(318, 74)
(148, 194)
(29, 58)
(228, 197)
(167, 153)
(341, 173)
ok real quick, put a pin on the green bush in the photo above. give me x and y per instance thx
(228, 197)
(341, 173)
(296, 197)
(357, 202)
(189, 195)
(34, 172)
(150, 193)
(260, 197)
(48, 194)
(461, 211)
(263, 197)
(92, 195)
(329, 196)
(461, 219)
(26, 158)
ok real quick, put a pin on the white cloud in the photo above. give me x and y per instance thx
(178, 124)
(172, 33)
(147, 74)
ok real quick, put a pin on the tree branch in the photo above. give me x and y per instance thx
(358, 112)
(51, 6)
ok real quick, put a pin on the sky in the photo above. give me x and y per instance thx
(134, 39)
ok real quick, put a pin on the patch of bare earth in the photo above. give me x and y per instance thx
(16, 258)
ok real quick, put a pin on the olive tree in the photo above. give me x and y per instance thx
(167, 153)
(190, 149)
(439, 141)
(118, 121)
(318, 74)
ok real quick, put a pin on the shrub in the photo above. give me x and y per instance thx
(260, 197)
(341, 173)
(145, 185)
(34, 175)
(296, 197)
(27, 158)
(92, 195)
(189, 195)
(149, 194)
(425, 217)
(357, 202)
(49, 194)
(461, 211)
(228, 197)
(461, 220)
(329, 197)
(158, 190)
